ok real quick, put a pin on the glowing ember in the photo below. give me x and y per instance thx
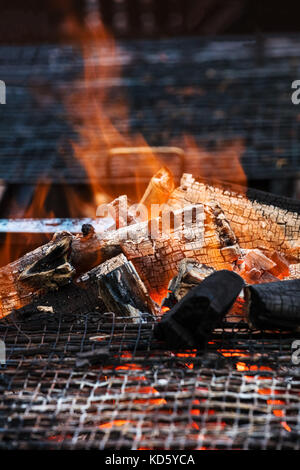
(116, 423)
(285, 426)
(129, 367)
(241, 367)
(233, 353)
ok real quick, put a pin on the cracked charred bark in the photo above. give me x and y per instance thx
(259, 220)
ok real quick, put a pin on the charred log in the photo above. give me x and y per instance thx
(274, 305)
(191, 321)
(153, 250)
(122, 290)
(45, 268)
(190, 274)
(259, 220)
(195, 234)
(76, 298)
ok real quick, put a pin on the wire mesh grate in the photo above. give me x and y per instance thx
(242, 392)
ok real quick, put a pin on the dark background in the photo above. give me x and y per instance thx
(36, 21)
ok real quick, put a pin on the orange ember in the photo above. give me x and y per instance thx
(233, 353)
(285, 426)
(241, 367)
(116, 423)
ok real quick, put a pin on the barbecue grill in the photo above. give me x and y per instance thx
(131, 391)
(242, 392)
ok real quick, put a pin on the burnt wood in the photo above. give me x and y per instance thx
(258, 220)
(190, 322)
(37, 272)
(122, 290)
(76, 298)
(190, 274)
(274, 305)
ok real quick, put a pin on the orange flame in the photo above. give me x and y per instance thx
(222, 164)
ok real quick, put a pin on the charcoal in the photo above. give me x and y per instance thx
(274, 305)
(75, 298)
(190, 322)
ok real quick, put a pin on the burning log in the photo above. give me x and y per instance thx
(209, 231)
(259, 220)
(45, 268)
(294, 272)
(113, 286)
(189, 323)
(196, 232)
(274, 305)
(159, 189)
(121, 289)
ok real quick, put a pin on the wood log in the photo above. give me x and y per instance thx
(121, 290)
(274, 305)
(202, 236)
(190, 274)
(229, 219)
(259, 220)
(196, 234)
(114, 286)
(75, 298)
(45, 268)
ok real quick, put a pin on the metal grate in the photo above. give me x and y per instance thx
(241, 393)
(215, 91)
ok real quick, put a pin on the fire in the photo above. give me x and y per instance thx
(129, 366)
(10, 250)
(102, 122)
(233, 353)
(241, 367)
(285, 426)
(222, 164)
(158, 297)
(116, 423)
(279, 413)
(189, 365)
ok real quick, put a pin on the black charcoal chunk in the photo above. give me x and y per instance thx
(190, 322)
(274, 305)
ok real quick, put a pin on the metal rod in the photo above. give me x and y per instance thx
(52, 225)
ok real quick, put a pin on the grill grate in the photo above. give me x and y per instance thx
(241, 393)
(215, 91)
